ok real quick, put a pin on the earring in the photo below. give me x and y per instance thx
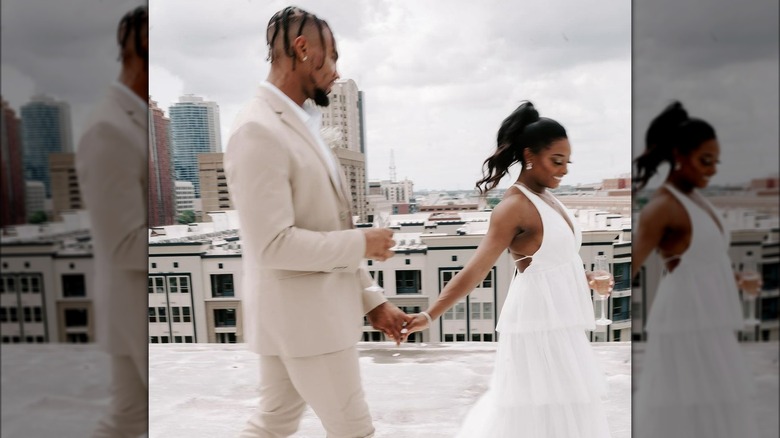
(677, 165)
(305, 58)
(529, 165)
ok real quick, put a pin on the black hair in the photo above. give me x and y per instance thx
(283, 20)
(131, 24)
(522, 130)
(671, 131)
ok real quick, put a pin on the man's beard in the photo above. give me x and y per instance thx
(321, 97)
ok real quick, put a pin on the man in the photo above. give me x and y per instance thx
(304, 291)
(112, 165)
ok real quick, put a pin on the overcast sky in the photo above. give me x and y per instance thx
(720, 59)
(438, 76)
(65, 49)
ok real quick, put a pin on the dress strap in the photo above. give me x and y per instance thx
(523, 258)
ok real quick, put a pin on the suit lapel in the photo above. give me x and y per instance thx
(293, 121)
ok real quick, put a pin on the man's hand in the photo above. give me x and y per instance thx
(389, 319)
(378, 243)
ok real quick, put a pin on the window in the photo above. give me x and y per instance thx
(449, 314)
(476, 337)
(380, 280)
(488, 281)
(77, 338)
(769, 309)
(157, 284)
(9, 281)
(184, 285)
(175, 314)
(175, 264)
(75, 318)
(222, 285)
(621, 308)
(448, 338)
(487, 337)
(188, 339)
(163, 339)
(224, 317)
(408, 282)
(460, 311)
(13, 314)
(152, 315)
(769, 274)
(24, 284)
(185, 312)
(177, 339)
(154, 265)
(487, 310)
(154, 340)
(3, 314)
(173, 285)
(161, 316)
(226, 338)
(446, 276)
(460, 337)
(40, 339)
(27, 311)
(622, 274)
(37, 314)
(454, 258)
(73, 285)
(476, 311)
(616, 335)
(35, 284)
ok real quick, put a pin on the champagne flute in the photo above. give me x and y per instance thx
(380, 221)
(750, 284)
(602, 284)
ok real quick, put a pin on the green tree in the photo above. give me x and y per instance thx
(38, 217)
(186, 217)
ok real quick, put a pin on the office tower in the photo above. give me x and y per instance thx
(46, 129)
(65, 191)
(194, 130)
(12, 186)
(213, 184)
(162, 194)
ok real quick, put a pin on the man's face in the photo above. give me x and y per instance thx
(320, 68)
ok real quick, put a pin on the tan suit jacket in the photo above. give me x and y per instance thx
(112, 167)
(303, 288)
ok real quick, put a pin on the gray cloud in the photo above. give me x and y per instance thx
(720, 58)
(438, 76)
(64, 49)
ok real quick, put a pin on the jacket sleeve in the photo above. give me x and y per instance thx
(111, 173)
(258, 170)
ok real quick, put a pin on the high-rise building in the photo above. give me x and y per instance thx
(213, 185)
(34, 197)
(162, 195)
(65, 192)
(194, 130)
(344, 118)
(46, 129)
(11, 169)
(185, 196)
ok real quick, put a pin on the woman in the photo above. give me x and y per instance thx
(693, 381)
(545, 382)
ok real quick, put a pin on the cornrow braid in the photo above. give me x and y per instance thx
(133, 21)
(282, 20)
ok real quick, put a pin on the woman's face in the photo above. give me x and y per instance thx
(701, 164)
(551, 164)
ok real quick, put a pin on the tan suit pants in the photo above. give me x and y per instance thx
(129, 414)
(329, 383)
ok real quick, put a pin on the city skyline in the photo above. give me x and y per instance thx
(433, 93)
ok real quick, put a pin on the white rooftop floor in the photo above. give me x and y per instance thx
(209, 390)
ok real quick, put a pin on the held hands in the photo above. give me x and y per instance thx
(418, 323)
(378, 243)
(390, 320)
